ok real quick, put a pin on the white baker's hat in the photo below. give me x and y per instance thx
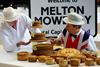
(10, 14)
(74, 18)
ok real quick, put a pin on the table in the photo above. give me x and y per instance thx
(10, 60)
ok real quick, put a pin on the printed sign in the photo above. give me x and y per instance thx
(51, 13)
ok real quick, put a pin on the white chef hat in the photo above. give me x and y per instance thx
(74, 18)
(10, 14)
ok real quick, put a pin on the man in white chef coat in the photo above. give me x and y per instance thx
(13, 27)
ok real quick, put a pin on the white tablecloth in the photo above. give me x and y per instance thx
(10, 60)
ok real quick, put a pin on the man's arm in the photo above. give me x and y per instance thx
(8, 43)
(91, 44)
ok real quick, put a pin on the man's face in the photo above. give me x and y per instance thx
(12, 23)
(71, 29)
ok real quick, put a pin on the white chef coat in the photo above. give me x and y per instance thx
(10, 36)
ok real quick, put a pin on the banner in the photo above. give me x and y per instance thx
(51, 13)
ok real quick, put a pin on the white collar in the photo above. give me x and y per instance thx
(78, 32)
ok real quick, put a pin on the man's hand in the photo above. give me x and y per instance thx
(23, 43)
(55, 41)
